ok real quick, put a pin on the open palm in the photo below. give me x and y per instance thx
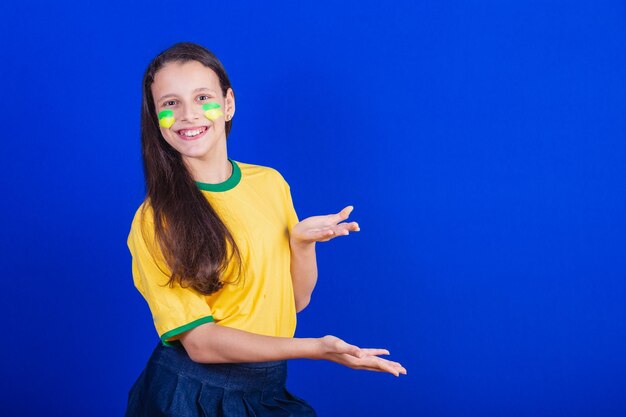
(323, 228)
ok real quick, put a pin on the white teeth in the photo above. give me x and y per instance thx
(191, 133)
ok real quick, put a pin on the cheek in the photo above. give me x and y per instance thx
(169, 137)
(172, 139)
(166, 119)
(212, 111)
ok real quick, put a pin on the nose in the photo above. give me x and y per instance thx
(190, 113)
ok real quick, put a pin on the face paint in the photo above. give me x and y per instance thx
(212, 111)
(166, 118)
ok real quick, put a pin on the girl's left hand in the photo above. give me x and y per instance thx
(323, 228)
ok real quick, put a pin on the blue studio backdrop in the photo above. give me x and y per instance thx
(481, 143)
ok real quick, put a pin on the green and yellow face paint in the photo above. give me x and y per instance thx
(212, 111)
(166, 118)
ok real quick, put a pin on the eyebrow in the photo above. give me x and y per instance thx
(197, 90)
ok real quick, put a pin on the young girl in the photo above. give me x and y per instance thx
(220, 257)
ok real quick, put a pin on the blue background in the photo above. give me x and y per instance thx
(481, 143)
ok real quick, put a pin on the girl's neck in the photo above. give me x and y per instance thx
(214, 169)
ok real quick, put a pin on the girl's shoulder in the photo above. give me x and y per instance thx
(143, 213)
(259, 172)
(143, 222)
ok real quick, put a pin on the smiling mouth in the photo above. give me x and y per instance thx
(192, 133)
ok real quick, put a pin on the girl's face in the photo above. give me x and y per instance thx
(188, 99)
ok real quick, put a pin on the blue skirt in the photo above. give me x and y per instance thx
(173, 385)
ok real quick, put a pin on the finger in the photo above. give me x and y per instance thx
(384, 365)
(346, 228)
(339, 230)
(318, 234)
(391, 368)
(380, 368)
(332, 232)
(370, 363)
(401, 369)
(343, 214)
(375, 352)
(343, 229)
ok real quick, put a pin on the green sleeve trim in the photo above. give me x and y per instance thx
(183, 329)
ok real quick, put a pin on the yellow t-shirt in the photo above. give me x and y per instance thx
(255, 204)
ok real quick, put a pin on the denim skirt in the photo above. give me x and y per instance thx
(173, 385)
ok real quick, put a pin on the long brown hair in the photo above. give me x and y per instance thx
(195, 242)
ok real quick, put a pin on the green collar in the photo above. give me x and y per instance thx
(229, 184)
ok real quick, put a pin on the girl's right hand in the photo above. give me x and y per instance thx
(336, 350)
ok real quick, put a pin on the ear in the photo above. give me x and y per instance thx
(229, 104)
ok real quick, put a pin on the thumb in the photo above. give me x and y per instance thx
(349, 349)
(344, 213)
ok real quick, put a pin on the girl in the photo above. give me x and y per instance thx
(220, 257)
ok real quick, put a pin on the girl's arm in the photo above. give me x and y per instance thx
(303, 272)
(303, 259)
(212, 343)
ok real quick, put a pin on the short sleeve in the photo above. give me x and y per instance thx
(175, 310)
(292, 216)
